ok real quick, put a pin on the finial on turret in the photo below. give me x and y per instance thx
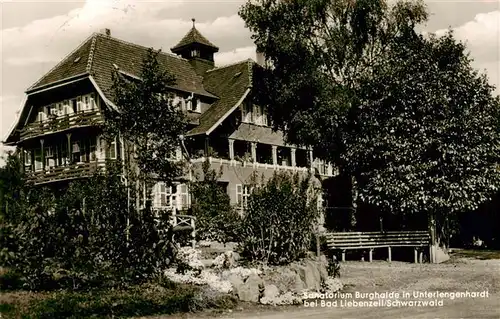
(194, 20)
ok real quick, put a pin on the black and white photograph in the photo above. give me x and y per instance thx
(250, 159)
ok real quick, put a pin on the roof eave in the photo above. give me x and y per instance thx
(8, 140)
(206, 94)
(184, 46)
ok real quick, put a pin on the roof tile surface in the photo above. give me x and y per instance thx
(194, 36)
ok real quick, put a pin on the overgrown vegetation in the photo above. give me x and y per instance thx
(216, 219)
(280, 219)
(85, 238)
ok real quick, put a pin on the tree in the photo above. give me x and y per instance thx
(215, 218)
(425, 137)
(406, 115)
(148, 119)
(317, 51)
(11, 188)
(12, 204)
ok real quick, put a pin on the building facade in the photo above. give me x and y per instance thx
(58, 137)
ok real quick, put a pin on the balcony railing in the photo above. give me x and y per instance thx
(214, 160)
(60, 123)
(69, 172)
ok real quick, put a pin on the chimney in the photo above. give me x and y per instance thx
(106, 31)
(260, 58)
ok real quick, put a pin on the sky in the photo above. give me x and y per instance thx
(37, 34)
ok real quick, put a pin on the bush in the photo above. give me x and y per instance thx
(279, 220)
(86, 238)
(216, 220)
(10, 280)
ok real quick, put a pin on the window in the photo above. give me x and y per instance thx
(76, 152)
(38, 159)
(195, 53)
(242, 194)
(183, 196)
(74, 105)
(41, 116)
(27, 158)
(193, 104)
(257, 116)
(92, 104)
(53, 110)
(254, 114)
(49, 157)
(246, 113)
(198, 106)
(111, 150)
(66, 107)
(85, 103)
(57, 109)
(162, 196)
(183, 103)
(79, 104)
(84, 150)
(265, 117)
(62, 155)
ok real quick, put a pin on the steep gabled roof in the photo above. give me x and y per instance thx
(194, 36)
(99, 55)
(128, 57)
(75, 63)
(231, 84)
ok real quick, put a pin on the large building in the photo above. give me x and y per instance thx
(58, 134)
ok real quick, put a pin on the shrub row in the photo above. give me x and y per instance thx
(86, 237)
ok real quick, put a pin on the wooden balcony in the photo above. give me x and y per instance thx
(61, 123)
(63, 173)
(319, 169)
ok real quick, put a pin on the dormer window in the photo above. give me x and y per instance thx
(254, 114)
(246, 113)
(198, 106)
(193, 105)
(195, 53)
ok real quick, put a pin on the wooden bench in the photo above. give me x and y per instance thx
(371, 240)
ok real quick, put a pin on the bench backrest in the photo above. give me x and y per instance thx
(360, 240)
